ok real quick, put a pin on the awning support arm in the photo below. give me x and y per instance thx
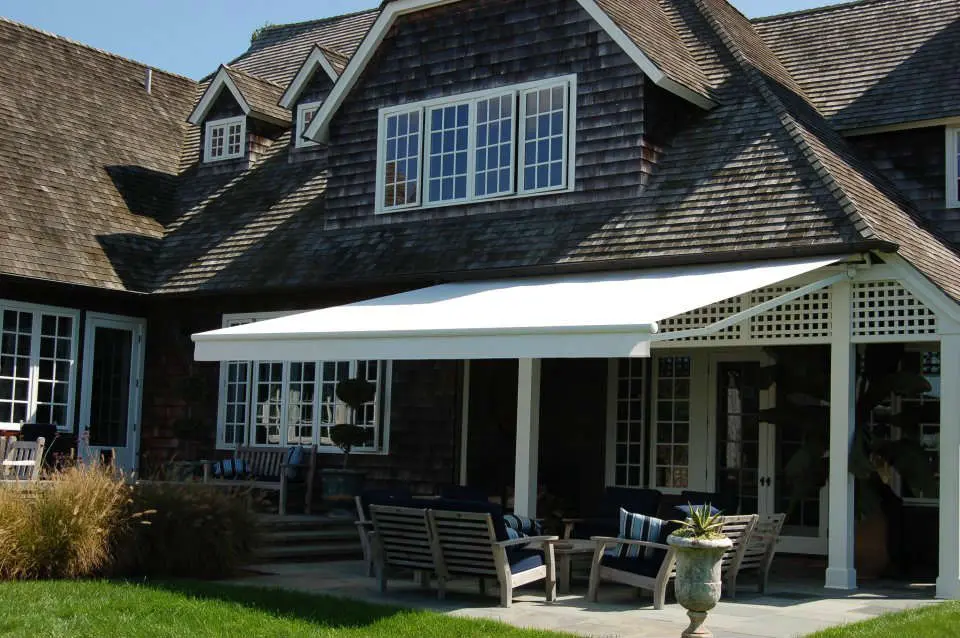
(760, 308)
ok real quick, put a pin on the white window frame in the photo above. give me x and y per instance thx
(38, 311)
(653, 422)
(385, 382)
(570, 82)
(225, 123)
(521, 154)
(614, 400)
(301, 141)
(953, 151)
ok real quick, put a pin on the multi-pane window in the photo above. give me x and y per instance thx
(225, 139)
(544, 147)
(305, 113)
(472, 147)
(447, 176)
(629, 422)
(924, 411)
(401, 173)
(671, 450)
(37, 365)
(953, 167)
(295, 402)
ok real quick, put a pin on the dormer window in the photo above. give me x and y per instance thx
(486, 145)
(953, 167)
(305, 113)
(225, 139)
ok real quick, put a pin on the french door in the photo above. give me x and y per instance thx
(111, 390)
(751, 454)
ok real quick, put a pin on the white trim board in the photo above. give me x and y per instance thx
(220, 81)
(319, 128)
(316, 58)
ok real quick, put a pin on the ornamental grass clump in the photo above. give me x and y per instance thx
(701, 524)
(63, 529)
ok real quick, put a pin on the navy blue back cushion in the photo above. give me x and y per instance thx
(640, 501)
(463, 493)
(723, 503)
(385, 496)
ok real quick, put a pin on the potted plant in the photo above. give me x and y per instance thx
(700, 546)
(340, 485)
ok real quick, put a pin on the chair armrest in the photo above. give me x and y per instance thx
(526, 540)
(610, 540)
(572, 521)
(367, 524)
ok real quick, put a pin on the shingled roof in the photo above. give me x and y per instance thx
(87, 160)
(261, 95)
(874, 62)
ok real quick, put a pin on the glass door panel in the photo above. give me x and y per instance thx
(110, 387)
(739, 440)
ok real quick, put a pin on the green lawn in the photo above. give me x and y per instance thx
(182, 610)
(935, 621)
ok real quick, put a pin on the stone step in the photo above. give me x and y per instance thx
(298, 536)
(314, 551)
(272, 523)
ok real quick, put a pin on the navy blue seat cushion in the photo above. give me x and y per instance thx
(640, 566)
(522, 560)
(463, 493)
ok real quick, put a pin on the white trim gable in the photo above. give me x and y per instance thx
(219, 82)
(318, 129)
(953, 154)
(317, 58)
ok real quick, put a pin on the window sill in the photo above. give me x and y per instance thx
(474, 201)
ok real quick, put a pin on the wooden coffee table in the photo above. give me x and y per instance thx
(564, 551)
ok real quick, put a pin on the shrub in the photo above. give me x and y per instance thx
(187, 530)
(65, 529)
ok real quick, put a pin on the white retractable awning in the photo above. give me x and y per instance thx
(610, 314)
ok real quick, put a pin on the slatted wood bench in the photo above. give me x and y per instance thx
(738, 529)
(21, 460)
(400, 541)
(756, 552)
(266, 469)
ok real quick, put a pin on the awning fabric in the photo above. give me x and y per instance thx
(611, 314)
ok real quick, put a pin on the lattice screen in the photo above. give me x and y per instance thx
(885, 308)
(804, 318)
(706, 316)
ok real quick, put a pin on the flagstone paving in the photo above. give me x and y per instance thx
(794, 606)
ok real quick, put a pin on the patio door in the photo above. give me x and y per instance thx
(110, 399)
(751, 454)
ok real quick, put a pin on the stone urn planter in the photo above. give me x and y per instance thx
(698, 583)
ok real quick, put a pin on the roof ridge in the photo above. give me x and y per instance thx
(788, 121)
(233, 69)
(813, 10)
(318, 21)
(89, 47)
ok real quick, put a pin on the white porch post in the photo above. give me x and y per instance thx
(840, 571)
(528, 437)
(465, 423)
(948, 581)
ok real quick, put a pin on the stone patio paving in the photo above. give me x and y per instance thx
(795, 606)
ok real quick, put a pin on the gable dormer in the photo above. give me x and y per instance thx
(238, 113)
(310, 87)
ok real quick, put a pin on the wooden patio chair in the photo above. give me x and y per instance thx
(756, 552)
(738, 529)
(395, 496)
(651, 572)
(400, 541)
(22, 460)
(475, 544)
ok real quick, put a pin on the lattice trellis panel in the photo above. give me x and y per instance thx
(706, 316)
(805, 318)
(886, 309)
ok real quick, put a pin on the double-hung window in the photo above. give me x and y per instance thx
(294, 402)
(504, 142)
(305, 113)
(225, 139)
(38, 355)
(953, 166)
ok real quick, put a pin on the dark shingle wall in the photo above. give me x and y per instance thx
(493, 43)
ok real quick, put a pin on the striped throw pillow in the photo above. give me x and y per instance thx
(522, 526)
(638, 527)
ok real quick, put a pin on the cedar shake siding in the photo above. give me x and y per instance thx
(179, 413)
(914, 162)
(462, 47)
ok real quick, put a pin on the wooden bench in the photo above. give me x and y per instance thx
(267, 468)
(22, 460)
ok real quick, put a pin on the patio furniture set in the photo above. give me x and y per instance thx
(439, 539)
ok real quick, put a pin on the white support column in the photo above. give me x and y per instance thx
(948, 581)
(840, 570)
(528, 437)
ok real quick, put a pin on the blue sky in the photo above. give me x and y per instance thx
(192, 37)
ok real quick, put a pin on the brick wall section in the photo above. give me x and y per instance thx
(914, 161)
(180, 401)
(493, 43)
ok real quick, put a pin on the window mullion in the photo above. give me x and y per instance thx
(515, 144)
